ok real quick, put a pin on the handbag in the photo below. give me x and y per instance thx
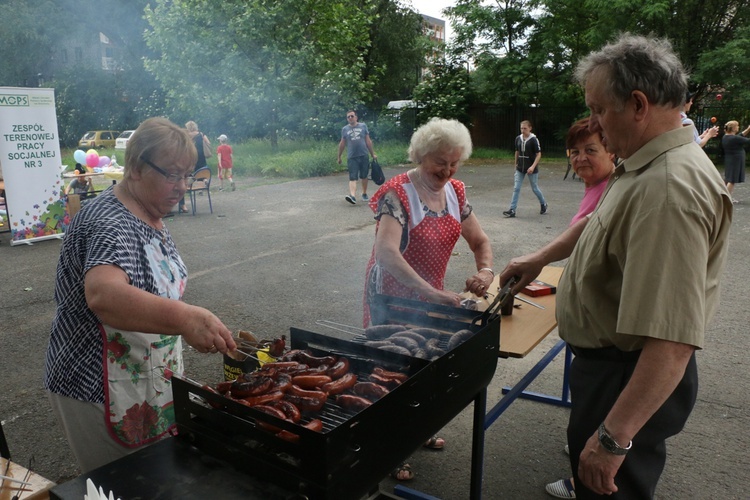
(377, 173)
(207, 153)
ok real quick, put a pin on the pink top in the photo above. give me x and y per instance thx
(590, 200)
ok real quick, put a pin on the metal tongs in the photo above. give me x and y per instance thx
(502, 297)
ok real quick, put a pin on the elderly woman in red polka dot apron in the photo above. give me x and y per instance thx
(421, 214)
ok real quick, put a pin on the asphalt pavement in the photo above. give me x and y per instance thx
(275, 255)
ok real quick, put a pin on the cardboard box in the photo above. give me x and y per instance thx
(538, 288)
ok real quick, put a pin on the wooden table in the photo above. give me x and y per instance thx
(522, 331)
(37, 490)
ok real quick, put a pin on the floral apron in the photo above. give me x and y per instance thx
(431, 242)
(138, 366)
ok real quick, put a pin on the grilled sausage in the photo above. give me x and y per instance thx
(433, 351)
(289, 409)
(381, 332)
(269, 410)
(396, 348)
(282, 382)
(390, 383)
(281, 366)
(370, 390)
(251, 386)
(401, 377)
(296, 390)
(351, 402)
(405, 342)
(306, 403)
(313, 361)
(411, 334)
(339, 368)
(223, 387)
(310, 381)
(377, 343)
(340, 384)
(428, 333)
(314, 425)
(262, 399)
(459, 338)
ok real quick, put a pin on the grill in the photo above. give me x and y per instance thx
(355, 450)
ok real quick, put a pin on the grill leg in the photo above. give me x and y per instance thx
(477, 445)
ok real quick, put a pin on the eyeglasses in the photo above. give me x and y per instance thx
(171, 178)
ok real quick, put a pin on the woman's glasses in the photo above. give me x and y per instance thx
(171, 178)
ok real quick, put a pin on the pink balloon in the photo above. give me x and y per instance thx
(103, 161)
(92, 159)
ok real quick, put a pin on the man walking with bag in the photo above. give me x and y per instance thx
(355, 137)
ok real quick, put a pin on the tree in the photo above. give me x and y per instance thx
(290, 65)
(444, 93)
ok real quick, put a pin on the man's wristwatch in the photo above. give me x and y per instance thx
(609, 443)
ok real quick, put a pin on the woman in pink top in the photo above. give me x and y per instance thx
(591, 162)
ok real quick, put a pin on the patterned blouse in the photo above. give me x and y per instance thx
(104, 232)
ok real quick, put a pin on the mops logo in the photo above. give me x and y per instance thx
(14, 100)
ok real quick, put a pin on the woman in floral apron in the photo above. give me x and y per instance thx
(117, 333)
(421, 214)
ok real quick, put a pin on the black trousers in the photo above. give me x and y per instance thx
(597, 376)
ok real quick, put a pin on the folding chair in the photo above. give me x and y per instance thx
(202, 183)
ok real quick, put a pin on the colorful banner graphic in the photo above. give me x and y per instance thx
(31, 164)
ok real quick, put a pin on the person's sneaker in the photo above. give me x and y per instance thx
(233, 186)
(365, 197)
(544, 209)
(351, 199)
(509, 213)
(221, 189)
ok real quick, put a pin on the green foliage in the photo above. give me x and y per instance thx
(444, 93)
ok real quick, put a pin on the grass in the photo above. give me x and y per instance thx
(301, 159)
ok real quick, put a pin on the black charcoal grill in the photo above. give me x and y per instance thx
(355, 451)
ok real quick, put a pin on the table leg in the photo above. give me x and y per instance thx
(519, 389)
(477, 445)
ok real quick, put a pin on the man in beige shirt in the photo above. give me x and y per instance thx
(642, 280)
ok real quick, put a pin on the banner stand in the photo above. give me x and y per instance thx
(31, 163)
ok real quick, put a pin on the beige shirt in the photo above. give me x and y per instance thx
(649, 261)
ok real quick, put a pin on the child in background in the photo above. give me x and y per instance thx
(224, 154)
(80, 185)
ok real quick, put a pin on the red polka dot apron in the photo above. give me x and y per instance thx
(430, 243)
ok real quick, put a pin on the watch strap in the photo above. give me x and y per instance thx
(610, 444)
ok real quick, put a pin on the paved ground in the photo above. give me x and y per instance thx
(287, 254)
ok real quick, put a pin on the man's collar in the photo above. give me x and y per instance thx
(657, 146)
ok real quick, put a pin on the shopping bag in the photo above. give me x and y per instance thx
(376, 172)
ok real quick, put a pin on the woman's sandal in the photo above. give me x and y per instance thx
(403, 472)
(183, 210)
(435, 443)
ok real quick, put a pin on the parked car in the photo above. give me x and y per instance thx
(98, 139)
(122, 139)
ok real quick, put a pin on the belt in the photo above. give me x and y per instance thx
(611, 353)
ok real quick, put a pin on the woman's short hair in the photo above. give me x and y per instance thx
(578, 131)
(191, 126)
(158, 137)
(731, 125)
(440, 134)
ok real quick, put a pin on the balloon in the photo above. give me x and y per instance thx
(79, 156)
(713, 119)
(91, 151)
(103, 161)
(92, 159)
(718, 97)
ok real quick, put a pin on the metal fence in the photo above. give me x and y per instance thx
(498, 126)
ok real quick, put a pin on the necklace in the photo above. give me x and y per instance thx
(163, 230)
